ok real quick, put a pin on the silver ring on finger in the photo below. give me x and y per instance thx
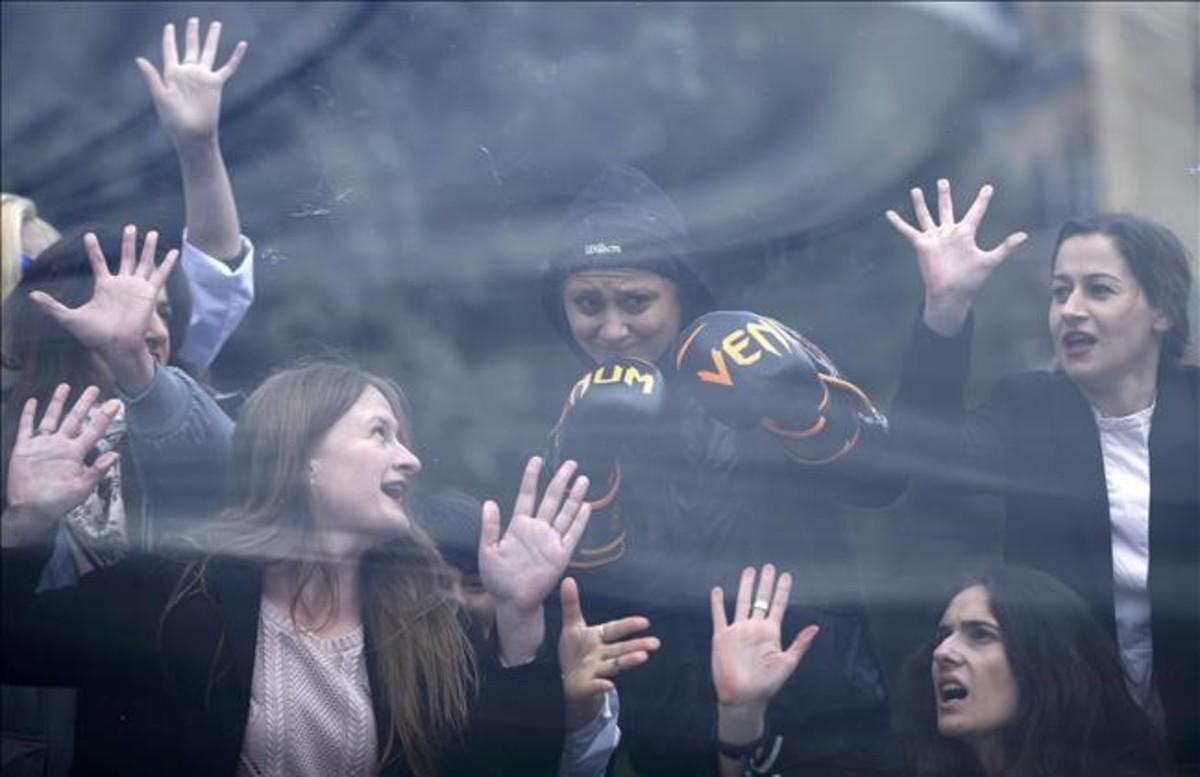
(761, 606)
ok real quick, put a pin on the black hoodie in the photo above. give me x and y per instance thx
(699, 501)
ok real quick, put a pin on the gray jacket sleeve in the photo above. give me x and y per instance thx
(179, 439)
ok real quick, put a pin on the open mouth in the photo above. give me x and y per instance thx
(951, 690)
(1077, 343)
(397, 490)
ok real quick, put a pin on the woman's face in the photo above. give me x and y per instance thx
(622, 313)
(158, 332)
(973, 683)
(1104, 327)
(361, 472)
(469, 589)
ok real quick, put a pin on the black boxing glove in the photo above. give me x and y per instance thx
(752, 371)
(744, 368)
(610, 407)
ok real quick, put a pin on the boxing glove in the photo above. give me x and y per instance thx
(610, 407)
(751, 371)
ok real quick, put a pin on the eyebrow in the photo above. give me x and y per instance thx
(975, 623)
(971, 622)
(1089, 277)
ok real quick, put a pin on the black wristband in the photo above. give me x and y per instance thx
(738, 752)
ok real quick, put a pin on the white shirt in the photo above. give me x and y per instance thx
(1124, 443)
(220, 297)
(587, 749)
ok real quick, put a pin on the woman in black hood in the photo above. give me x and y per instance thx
(700, 500)
(620, 284)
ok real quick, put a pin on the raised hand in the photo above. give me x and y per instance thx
(47, 474)
(748, 663)
(590, 655)
(522, 567)
(187, 94)
(114, 321)
(953, 266)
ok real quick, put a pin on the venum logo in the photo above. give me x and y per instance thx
(601, 249)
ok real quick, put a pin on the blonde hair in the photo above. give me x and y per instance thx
(15, 213)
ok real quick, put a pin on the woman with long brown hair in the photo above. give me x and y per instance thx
(309, 628)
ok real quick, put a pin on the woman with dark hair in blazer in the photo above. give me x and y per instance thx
(1097, 460)
(1018, 681)
(309, 629)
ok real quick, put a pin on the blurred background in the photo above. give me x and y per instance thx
(401, 169)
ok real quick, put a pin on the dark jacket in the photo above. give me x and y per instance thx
(1036, 443)
(698, 501)
(170, 694)
(172, 427)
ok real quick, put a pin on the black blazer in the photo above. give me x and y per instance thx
(171, 695)
(1036, 443)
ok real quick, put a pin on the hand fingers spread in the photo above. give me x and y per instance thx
(766, 589)
(803, 641)
(779, 603)
(104, 462)
(716, 601)
(25, 425)
(978, 208)
(100, 422)
(645, 645)
(489, 525)
(613, 631)
(95, 255)
(571, 609)
(554, 492)
(527, 494)
(573, 535)
(570, 508)
(159, 277)
(170, 53)
(1001, 252)
(235, 61)
(54, 409)
(145, 265)
(924, 220)
(209, 55)
(611, 667)
(745, 587)
(191, 40)
(51, 307)
(128, 249)
(945, 203)
(902, 226)
(153, 79)
(74, 420)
